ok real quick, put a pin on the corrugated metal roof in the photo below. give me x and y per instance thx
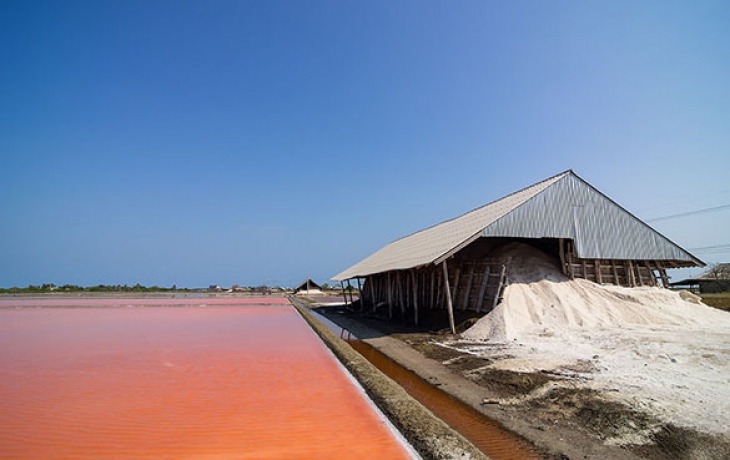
(563, 206)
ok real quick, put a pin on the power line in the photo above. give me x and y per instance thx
(690, 213)
(724, 245)
(684, 200)
(717, 249)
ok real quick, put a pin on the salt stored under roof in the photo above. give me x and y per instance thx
(562, 206)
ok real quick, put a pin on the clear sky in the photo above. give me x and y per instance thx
(252, 142)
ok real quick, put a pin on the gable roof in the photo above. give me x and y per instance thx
(562, 206)
(307, 284)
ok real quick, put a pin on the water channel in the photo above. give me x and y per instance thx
(487, 435)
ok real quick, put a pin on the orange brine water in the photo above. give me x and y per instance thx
(227, 382)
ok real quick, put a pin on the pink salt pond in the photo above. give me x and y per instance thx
(233, 381)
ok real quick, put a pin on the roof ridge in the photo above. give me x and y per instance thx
(564, 173)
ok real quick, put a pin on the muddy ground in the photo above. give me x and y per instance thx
(562, 421)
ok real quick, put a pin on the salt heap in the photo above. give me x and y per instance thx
(540, 301)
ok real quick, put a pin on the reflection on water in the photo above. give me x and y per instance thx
(223, 382)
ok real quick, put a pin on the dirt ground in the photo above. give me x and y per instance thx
(564, 420)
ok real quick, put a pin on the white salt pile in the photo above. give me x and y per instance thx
(540, 300)
(650, 348)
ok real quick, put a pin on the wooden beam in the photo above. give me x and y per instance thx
(377, 288)
(499, 287)
(561, 250)
(455, 292)
(415, 296)
(349, 288)
(570, 259)
(652, 277)
(465, 303)
(399, 282)
(390, 297)
(432, 298)
(344, 295)
(439, 288)
(449, 304)
(663, 273)
(615, 273)
(483, 288)
(362, 294)
(629, 268)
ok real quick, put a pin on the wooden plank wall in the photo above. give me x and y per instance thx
(478, 285)
(629, 273)
(474, 285)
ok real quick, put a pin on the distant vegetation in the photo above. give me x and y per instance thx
(721, 300)
(48, 288)
(32, 289)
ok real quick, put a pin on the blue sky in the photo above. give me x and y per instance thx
(194, 143)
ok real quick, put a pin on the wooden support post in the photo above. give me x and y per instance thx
(465, 302)
(499, 287)
(663, 273)
(349, 288)
(455, 292)
(405, 287)
(399, 282)
(561, 250)
(652, 276)
(599, 275)
(380, 289)
(449, 304)
(585, 271)
(390, 297)
(433, 288)
(483, 288)
(396, 289)
(616, 280)
(570, 260)
(344, 295)
(362, 294)
(629, 269)
(415, 296)
(366, 294)
(638, 273)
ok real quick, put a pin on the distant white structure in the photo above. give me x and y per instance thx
(308, 288)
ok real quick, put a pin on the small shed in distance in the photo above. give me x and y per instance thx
(714, 280)
(308, 287)
(460, 263)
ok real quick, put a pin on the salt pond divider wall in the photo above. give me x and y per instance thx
(428, 434)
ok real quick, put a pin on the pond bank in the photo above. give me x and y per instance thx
(429, 435)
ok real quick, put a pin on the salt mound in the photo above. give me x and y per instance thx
(540, 300)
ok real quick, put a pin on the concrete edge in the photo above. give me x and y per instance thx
(430, 436)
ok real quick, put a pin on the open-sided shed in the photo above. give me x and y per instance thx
(453, 264)
(308, 287)
(713, 281)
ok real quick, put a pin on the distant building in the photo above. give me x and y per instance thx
(714, 280)
(308, 287)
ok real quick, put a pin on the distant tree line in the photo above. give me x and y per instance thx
(49, 287)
